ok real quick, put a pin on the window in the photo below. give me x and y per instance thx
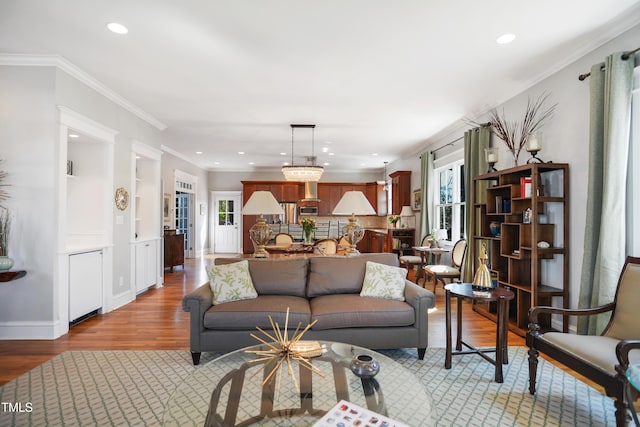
(449, 204)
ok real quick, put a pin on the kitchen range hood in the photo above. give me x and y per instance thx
(310, 192)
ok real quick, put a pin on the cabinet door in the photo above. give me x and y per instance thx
(291, 192)
(146, 265)
(85, 283)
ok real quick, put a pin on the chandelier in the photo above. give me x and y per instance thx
(307, 172)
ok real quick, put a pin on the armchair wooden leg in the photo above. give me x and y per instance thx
(533, 369)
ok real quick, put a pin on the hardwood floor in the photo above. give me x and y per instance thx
(155, 320)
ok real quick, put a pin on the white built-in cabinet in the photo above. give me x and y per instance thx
(146, 214)
(146, 264)
(84, 218)
(85, 284)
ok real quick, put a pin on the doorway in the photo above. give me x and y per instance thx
(184, 220)
(225, 221)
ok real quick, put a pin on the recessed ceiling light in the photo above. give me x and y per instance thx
(325, 149)
(326, 163)
(283, 154)
(251, 163)
(198, 152)
(240, 152)
(216, 163)
(374, 154)
(73, 135)
(117, 28)
(331, 154)
(285, 164)
(363, 164)
(506, 38)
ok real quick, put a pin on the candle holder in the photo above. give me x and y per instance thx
(534, 145)
(534, 158)
(491, 156)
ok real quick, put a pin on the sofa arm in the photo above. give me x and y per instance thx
(419, 298)
(197, 303)
(199, 300)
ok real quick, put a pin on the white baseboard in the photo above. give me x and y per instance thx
(31, 330)
(119, 300)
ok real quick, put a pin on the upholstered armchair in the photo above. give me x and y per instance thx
(603, 359)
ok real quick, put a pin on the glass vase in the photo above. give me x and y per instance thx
(307, 236)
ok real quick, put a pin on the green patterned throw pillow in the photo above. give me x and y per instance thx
(231, 282)
(383, 281)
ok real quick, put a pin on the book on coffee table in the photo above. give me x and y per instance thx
(347, 414)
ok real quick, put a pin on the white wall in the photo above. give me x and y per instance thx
(566, 138)
(29, 132)
(170, 164)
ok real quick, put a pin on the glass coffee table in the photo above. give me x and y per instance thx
(228, 391)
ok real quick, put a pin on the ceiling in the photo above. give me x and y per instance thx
(378, 78)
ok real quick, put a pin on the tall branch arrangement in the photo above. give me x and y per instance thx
(5, 225)
(515, 134)
(5, 219)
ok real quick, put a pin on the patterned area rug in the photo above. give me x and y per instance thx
(80, 388)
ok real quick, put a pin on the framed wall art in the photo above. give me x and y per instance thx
(417, 199)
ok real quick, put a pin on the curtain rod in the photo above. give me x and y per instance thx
(625, 56)
(447, 144)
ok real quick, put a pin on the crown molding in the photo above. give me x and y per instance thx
(84, 77)
(183, 157)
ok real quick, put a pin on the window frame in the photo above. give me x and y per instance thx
(455, 162)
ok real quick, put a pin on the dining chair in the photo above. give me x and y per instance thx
(414, 259)
(603, 359)
(283, 239)
(325, 247)
(437, 273)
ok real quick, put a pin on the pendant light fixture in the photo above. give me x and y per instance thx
(309, 171)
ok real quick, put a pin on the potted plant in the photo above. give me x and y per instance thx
(309, 225)
(393, 219)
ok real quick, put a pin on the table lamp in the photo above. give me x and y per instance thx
(261, 203)
(407, 218)
(353, 203)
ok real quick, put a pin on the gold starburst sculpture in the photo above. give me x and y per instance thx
(284, 350)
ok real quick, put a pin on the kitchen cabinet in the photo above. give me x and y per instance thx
(373, 241)
(400, 190)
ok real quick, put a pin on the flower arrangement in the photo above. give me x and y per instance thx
(309, 225)
(393, 219)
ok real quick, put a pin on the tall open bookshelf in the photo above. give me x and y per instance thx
(521, 214)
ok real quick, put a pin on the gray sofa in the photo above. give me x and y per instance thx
(318, 288)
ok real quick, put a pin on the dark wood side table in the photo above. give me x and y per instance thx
(502, 296)
(7, 276)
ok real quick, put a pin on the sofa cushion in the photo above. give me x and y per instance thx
(231, 282)
(247, 314)
(342, 275)
(272, 276)
(383, 281)
(353, 311)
